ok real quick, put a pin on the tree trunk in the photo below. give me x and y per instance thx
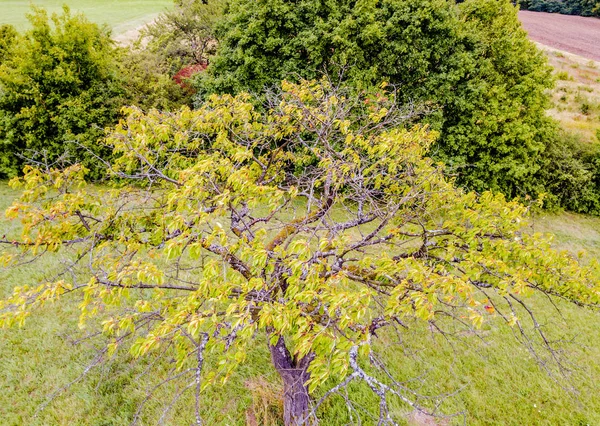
(296, 401)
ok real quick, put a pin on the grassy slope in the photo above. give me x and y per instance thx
(576, 99)
(121, 15)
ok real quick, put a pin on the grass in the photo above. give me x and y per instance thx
(499, 382)
(120, 15)
(576, 98)
(573, 232)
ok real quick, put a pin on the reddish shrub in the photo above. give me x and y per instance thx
(186, 72)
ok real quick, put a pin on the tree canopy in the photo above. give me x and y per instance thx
(185, 35)
(483, 81)
(316, 224)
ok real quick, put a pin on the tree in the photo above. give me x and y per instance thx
(186, 35)
(317, 222)
(473, 65)
(59, 85)
(156, 68)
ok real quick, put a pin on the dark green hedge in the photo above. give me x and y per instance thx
(567, 7)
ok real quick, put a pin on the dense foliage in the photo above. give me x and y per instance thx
(8, 36)
(58, 90)
(214, 240)
(155, 69)
(147, 79)
(571, 172)
(567, 7)
(472, 66)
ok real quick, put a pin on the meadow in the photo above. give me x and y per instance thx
(121, 16)
(576, 98)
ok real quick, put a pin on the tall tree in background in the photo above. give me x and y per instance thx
(472, 64)
(58, 90)
(567, 7)
(186, 35)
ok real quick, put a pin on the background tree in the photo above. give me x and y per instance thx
(58, 90)
(567, 7)
(316, 227)
(186, 35)
(472, 64)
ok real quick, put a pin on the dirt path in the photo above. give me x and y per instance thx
(128, 36)
(125, 37)
(574, 34)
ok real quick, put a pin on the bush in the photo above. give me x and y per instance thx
(59, 88)
(148, 82)
(563, 75)
(571, 172)
(471, 65)
(584, 108)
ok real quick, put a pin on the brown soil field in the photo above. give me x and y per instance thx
(574, 34)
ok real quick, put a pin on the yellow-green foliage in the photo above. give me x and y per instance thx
(212, 238)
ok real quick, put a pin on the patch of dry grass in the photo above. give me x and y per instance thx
(573, 232)
(576, 97)
(267, 402)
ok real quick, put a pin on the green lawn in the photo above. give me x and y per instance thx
(499, 382)
(121, 15)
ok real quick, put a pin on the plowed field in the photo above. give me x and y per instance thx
(574, 34)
